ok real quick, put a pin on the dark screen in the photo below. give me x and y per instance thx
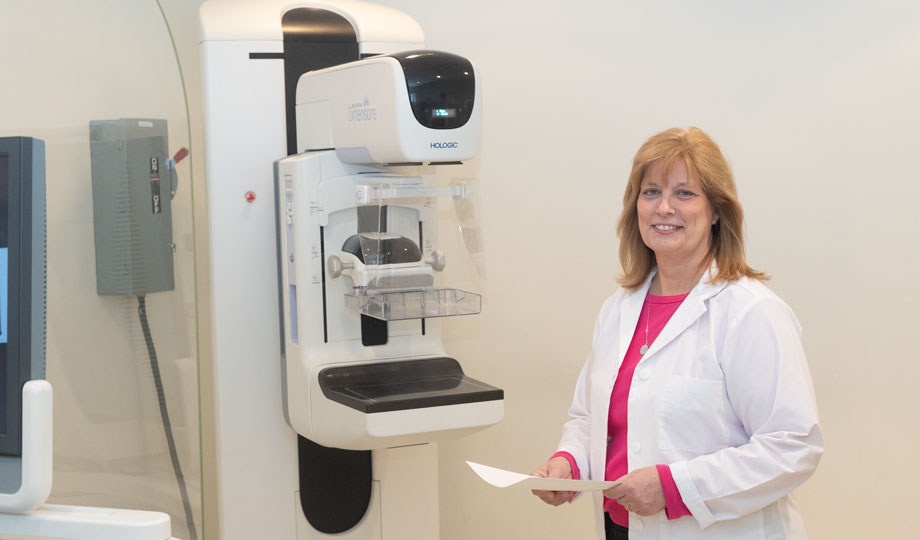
(442, 87)
(4, 281)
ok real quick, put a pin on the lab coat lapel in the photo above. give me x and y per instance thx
(630, 310)
(692, 308)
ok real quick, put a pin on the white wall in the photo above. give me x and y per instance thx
(814, 104)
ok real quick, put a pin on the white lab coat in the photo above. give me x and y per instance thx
(723, 396)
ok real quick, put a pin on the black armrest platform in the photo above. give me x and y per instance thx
(403, 385)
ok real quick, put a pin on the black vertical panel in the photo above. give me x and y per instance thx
(313, 39)
(335, 485)
(335, 489)
(322, 271)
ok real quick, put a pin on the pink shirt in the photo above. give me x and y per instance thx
(656, 312)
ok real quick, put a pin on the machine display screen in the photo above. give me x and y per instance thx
(4, 280)
(444, 113)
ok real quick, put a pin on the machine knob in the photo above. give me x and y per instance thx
(335, 266)
(436, 260)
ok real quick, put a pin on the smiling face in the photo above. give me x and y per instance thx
(675, 217)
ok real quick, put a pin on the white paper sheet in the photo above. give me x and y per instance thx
(502, 478)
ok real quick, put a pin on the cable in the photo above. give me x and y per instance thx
(164, 414)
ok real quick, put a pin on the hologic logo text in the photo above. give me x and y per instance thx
(444, 145)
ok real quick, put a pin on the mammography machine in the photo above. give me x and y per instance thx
(331, 263)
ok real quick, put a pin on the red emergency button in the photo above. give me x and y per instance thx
(250, 196)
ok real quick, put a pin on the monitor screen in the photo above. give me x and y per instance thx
(22, 280)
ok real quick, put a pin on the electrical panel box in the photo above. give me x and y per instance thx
(133, 183)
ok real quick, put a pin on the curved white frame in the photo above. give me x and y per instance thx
(36, 450)
(22, 512)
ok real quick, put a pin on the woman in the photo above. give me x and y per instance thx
(697, 397)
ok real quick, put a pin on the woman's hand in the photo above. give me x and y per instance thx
(639, 492)
(558, 467)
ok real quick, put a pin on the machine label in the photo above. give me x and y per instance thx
(443, 145)
(155, 195)
(362, 112)
(155, 185)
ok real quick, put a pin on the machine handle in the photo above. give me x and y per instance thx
(335, 266)
(437, 260)
(173, 175)
(376, 193)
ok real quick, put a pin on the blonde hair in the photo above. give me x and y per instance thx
(705, 163)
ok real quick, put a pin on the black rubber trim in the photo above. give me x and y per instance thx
(404, 385)
(314, 39)
(266, 56)
(446, 163)
(335, 486)
(404, 164)
(322, 272)
(421, 246)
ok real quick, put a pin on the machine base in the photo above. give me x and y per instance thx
(85, 523)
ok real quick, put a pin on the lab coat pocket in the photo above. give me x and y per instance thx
(749, 527)
(691, 415)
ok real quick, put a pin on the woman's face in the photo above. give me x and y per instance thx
(675, 217)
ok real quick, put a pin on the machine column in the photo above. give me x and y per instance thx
(408, 478)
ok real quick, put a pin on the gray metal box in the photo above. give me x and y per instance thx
(132, 188)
